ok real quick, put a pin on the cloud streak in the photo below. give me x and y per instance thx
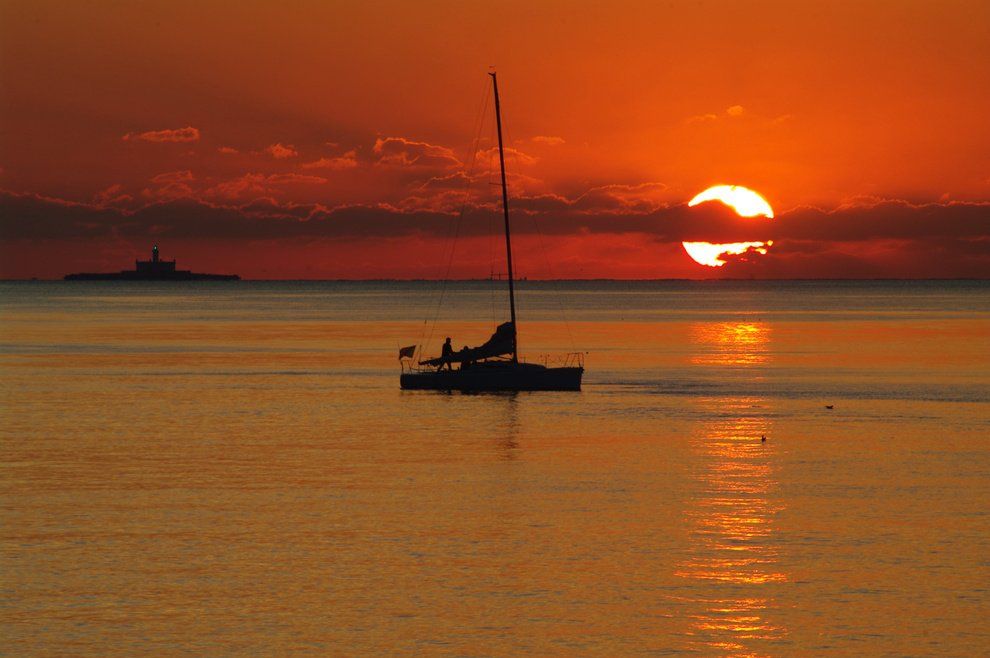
(281, 151)
(339, 163)
(253, 185)
(187, 134)
(402, 152)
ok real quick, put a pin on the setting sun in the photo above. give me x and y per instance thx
(707, 253)
(746, 203)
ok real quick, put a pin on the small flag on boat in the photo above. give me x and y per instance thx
(407, 352)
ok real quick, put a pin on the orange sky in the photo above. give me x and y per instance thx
(218, 130)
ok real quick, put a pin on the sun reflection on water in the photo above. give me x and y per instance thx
(731, 343)
(734, 560)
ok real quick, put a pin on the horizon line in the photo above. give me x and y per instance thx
(523, 280)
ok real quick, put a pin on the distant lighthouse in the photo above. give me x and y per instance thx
(155, 269)
(156, 266)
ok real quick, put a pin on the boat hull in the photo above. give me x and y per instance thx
(496, 377)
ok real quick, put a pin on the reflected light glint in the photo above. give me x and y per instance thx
(733, 513)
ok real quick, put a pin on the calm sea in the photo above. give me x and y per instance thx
(231, 469)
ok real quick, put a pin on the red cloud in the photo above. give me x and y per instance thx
(258, 185)
(345, 161)
(279, 179)
(640, 198)
(112, 196)
(511, 155)
(171, 185)
(248, 184)
(281, 151)
(184, 176)
(168, 192)
(402, 152)
(187, 134)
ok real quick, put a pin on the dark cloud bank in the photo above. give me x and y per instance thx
(877, 239)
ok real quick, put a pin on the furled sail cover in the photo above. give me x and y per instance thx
(503, 341)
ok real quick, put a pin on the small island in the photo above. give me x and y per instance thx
(151, 270)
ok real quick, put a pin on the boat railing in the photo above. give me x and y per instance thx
(568, 360)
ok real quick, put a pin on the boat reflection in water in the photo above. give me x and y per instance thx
(733, 562)
(508, 429)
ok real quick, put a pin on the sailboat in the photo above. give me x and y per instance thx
(495, 365)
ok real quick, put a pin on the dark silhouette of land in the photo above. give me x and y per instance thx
(151, 270)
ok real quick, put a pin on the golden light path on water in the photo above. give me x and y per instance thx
(216, 470)
(732, 515)
(746, 203)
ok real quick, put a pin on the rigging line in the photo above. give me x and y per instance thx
(472, 158)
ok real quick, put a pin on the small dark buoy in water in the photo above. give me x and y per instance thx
(829, 406)
(763, 439)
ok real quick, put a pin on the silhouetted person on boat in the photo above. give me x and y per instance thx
(446, 352)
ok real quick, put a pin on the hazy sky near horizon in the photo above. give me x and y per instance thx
(314, 139)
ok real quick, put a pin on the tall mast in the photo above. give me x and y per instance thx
(505, 212)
